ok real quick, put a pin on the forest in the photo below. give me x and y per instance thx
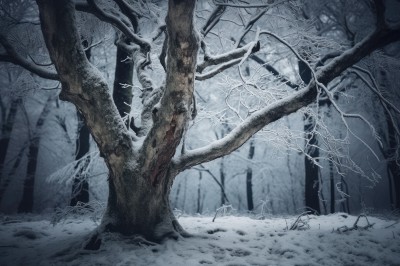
(184, 132)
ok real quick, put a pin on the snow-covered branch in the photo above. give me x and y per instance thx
(81, 82)
(223, 3)
(228, 57)
(290, 104)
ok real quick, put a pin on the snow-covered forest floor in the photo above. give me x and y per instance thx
(230, 240)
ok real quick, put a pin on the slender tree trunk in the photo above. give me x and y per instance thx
(391, 153)
(332, 187)
(393, 162)
(6, 130)
(390, 187)
(311, 170)
(222, 181)
(199, 193)
(249, 179)
(345, 203)
(6, 182)
(5, 137)
(26, 203)
(178, 190)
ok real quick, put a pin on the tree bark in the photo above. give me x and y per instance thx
(80, 185)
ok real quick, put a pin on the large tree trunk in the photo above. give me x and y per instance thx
(138, 207)
(140, 175)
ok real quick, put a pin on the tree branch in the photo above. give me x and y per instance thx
(82, 83)
(124, 26)
(171, 115)
(13, 57)
(237, 53)
(129, 12)
(259, 119)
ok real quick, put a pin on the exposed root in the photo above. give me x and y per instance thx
(94, 242)
(174, 231)
(180, 229)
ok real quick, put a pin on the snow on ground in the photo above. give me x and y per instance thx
(230, 240)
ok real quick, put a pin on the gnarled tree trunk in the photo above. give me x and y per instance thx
(141, 164)
(140, 176)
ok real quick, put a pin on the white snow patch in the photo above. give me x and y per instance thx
(229, 240)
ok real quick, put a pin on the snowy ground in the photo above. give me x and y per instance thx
(230, 240)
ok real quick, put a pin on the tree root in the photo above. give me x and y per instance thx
(94, 242)
(96, 238)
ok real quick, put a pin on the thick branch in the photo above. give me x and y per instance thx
(13, 57)
(173, 113)
(290, 104)
(129, 12)
(82, 83)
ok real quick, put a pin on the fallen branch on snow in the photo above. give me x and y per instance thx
(355, 226)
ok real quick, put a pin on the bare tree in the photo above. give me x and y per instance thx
(143, 161)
